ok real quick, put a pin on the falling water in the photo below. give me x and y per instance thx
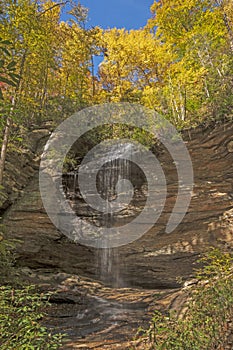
(111, 186)
(112, 174)
(75, 182)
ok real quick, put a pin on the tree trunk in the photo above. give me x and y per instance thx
(4, 147)
(7, 130)
(93, 75)
(226, 20)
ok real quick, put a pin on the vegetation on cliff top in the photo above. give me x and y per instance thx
(179, 64)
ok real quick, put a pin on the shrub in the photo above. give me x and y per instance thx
(21, 311)
(209, 306)
(6, 258)
(20, 316)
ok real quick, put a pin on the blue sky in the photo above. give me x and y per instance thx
(130, 14)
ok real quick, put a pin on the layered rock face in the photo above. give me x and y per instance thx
(21, 164)
(157, 259)
(143, 275)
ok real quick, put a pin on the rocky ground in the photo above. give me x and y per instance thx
(93, 316)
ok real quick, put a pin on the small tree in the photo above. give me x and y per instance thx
(8, 77)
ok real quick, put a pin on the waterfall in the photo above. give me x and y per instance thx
(110, 182)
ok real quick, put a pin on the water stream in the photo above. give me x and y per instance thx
(111, 182)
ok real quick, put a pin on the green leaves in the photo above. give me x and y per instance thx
(7, 67)
(208, 307)
(21, 310)
(7, 81)
(11, 66)
(20, 317)
(4, 46)
(4, 42)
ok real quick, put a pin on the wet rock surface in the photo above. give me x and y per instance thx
(91, 315)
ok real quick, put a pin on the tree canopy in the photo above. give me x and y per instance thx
(180, 64)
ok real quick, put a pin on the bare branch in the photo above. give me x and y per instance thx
(52, 7)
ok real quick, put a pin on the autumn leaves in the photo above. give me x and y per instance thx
(179, 64)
